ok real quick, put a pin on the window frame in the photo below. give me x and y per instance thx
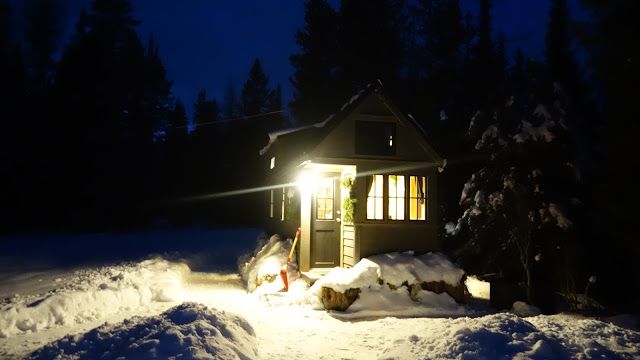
(395, 198)
(324, 199)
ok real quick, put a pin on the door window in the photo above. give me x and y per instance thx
(324, 199)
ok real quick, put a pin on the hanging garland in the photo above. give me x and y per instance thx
(348, 204)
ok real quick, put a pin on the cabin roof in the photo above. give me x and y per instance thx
(308, 136)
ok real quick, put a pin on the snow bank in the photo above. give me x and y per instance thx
(188, 331)
(587, 338)
(397, 268)
(498, 336)
(523, 309)
(261, 272)
(92, 294)
(364, 274)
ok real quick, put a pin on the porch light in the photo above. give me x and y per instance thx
(306, 181)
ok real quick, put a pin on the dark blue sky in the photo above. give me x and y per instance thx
(207, 43)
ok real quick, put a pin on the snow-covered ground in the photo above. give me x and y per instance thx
(160, 306)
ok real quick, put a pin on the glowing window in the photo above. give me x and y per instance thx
(324, 199)
(284, 201)
(417, 198)
(271, 204)
(272, 163)
(375, 196)
(396, 197)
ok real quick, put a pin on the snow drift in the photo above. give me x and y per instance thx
(92, 294)
(387, 285)
(261, 272)
(189, 331)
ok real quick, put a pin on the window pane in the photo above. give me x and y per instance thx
(271, 205)
(324, 199)
(396, 197)
(417, 198)
(375, 197)
(283, 206)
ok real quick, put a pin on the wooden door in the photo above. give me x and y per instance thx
(325, 223)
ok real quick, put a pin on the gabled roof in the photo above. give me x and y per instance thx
(314, 133)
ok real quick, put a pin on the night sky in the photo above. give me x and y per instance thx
(224, 37)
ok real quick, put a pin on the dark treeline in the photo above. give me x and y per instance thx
(541, 149)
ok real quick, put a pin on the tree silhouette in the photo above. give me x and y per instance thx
(255, 91)
(314, 77)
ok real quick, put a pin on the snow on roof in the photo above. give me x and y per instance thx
(273, 136)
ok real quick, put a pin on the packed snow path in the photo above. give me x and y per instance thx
(286, 329)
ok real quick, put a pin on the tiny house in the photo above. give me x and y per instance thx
(361, 182)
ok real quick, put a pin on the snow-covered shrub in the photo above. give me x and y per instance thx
(186, 331)
(262, 270)
(518, 208)
(386, 284)
(523, 309)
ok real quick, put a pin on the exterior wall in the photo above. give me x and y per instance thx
(348, 245)
(381, 236)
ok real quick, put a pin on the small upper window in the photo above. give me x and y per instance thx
(272, 163)
(375, 138)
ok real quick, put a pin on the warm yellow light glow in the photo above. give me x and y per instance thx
(396, 197)
(375, 197)
(307, 181)
(477, 288)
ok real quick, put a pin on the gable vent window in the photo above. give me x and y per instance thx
(375, 138)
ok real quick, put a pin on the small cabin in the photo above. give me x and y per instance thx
(362, 182)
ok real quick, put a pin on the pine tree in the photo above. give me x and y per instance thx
(520, 207)
(371, 45)
(275, 99)
(230, 105)
(205, 111)
(179, 118)
(255, 92)
(610, 37)
(559, 58)
(314, 79)
(42, 35)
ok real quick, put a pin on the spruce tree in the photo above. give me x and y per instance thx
(179, 117)
(370, 44)
(314, 75)
(255, 92)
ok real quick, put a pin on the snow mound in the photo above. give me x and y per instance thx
(498, 336)
(397, 268)
(364, 274)
(374, 274)
(189, 331)
(261, 272)
(93, 294)
(523, 309)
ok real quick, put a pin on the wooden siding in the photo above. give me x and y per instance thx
(349, 245)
